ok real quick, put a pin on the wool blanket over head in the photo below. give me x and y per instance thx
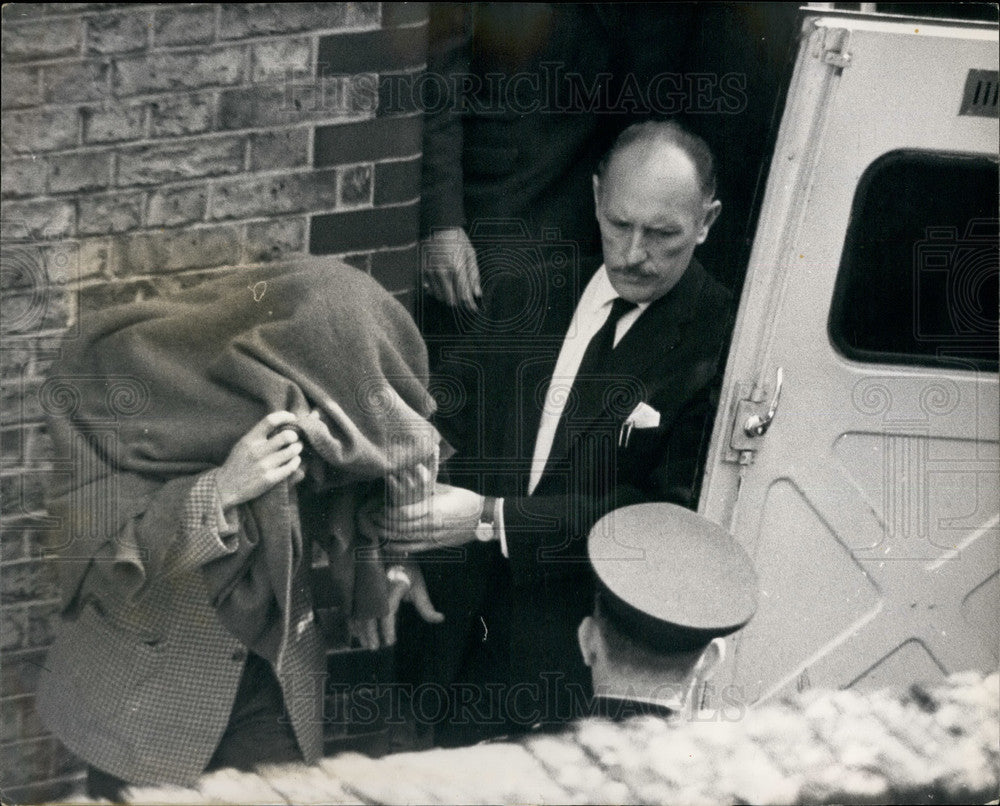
(148, 395)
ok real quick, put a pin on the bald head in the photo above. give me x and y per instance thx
(654, 198)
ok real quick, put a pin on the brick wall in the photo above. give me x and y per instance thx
(146, 147)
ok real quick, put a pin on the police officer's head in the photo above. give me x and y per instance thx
(670, 586)
(655, 199)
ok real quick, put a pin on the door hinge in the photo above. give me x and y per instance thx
(835, 51)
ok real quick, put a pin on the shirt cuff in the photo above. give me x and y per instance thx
(498, 524)
(206, 523)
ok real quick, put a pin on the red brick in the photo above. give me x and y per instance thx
(117, 33)
(41, 218)
(396, 14)
(153, 164)
(10, 720)
(372, 51)
(22, 495)
(185, 26)
(286, 148)
(178, 71)
(272, 240)
(40, 450)
(368, 140)
(13, 631)
(255, 19)
(190, 113)
(72, 82)
(27, 762)
(28, 313)
(40, 130)
(292, 103)
(12, 542)
(338, 233)
(18, 405)
(16, 359)
(402, 93)
(41, 40)
(397, 181)
(42, 621)
(28, 581)
(84, 171)
(283, 193)
(26, 177)
(112, 212)
(113, 124)
(172, 206)
(172, 250)
(20, 673)
(83, 259)
(103, 295)
(356, 185)
(20, 87)
(280, 59)
(31, 724)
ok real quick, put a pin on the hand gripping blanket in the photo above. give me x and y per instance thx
(150, 394)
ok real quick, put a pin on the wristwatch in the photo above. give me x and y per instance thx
(485, 530)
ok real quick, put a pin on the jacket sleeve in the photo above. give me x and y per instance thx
(449, 49)
(546, 535)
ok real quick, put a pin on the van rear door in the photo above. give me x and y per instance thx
(870, 501)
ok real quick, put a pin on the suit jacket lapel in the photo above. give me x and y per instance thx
(660, 329)
(534, 376)
(641, 351)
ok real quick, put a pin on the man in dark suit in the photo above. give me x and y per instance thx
(595, 401)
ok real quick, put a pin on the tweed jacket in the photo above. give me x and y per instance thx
(158, 611)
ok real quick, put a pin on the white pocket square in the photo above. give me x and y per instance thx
(642, 416)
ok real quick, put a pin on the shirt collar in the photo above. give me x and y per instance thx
(601, 293)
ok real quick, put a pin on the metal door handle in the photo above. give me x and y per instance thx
(757, 424)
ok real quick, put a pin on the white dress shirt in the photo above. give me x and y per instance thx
(590, 315)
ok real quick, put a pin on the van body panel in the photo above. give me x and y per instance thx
(870, 506)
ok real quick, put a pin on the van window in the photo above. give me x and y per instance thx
(917, 283)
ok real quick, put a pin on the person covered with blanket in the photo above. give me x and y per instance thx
(206, 442)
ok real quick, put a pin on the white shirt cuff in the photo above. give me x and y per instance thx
(499, 525)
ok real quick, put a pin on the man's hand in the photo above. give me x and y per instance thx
(450, 271)
(259, 461)
(406, 584)
(448, 517)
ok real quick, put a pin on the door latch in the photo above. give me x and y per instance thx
(750, 423)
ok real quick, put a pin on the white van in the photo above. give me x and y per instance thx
(855, 453)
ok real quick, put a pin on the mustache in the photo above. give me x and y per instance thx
(633, 269)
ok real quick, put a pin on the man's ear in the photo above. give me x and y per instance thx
(711, 213)
(710, 659)
(597, 192)
(587, 638)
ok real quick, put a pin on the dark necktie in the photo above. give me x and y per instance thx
(591, 379)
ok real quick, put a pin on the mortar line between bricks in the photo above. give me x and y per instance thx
(255, 38)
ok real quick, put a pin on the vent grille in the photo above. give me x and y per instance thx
(980, 95)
